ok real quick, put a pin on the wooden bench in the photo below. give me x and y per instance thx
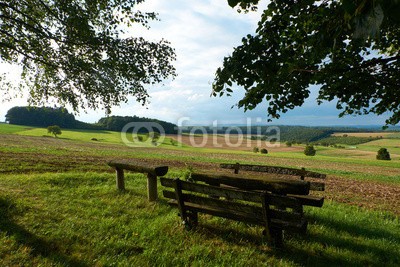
(316, 181)
(272, 211)
(152, 172)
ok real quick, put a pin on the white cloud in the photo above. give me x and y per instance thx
(203, 33)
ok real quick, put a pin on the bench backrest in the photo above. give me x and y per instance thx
(260, 208)
(301, 173)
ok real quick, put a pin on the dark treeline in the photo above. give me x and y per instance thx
(41, 117)
(117, 123)
(47, 116)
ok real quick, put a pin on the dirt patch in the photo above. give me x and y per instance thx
(369, 194)
(232, 142)
(374, 134)
(32, 154)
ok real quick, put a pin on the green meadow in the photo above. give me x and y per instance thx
(59, 206)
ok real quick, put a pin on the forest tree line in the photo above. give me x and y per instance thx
(47, 116)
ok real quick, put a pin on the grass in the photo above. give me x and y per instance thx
(40, 154)
(76, 219)
(59, 207)
(10, 128)
(107, 137)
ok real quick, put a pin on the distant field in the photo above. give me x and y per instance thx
(10, 128)
(59, 205)
(232, 142)
(80, 135)
(374, 134)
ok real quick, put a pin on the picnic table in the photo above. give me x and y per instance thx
(152, 171)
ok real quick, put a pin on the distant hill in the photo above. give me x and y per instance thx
(298, 134)
(46, 116)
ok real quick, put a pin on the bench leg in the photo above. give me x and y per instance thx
(277, 237)
(192, 218)
(120, 179)
(152, 187)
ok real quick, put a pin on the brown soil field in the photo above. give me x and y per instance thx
(37, 154)
(375, 134)
(232, 142)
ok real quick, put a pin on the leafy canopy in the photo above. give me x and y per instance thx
(349, 48)
(54, 130)
(78, 52)
(309, 150)
(383, 154)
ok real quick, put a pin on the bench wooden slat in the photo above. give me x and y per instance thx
(142, 168)
(250, 210)
(275, 185)
(260, 208)
(300, 226)
(213, 202)
(313, 201)
(317, 186)
(273, 169)
(212, 190)
(234, 193)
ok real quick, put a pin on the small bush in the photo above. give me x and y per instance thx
(173, 142)
(256, 149)
(288, 144)
(263, 151)
(383, 154)
(310, 150)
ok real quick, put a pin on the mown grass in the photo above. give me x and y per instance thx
(59, 207)
(107, 137)
(77, 135)
(6, 128)
(39, 154)
(79, 219)
(393, 145)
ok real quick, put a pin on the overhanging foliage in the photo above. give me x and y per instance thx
(80, 52)
(348, 48)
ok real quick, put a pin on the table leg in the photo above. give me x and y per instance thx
(120, 179)
(152, 187)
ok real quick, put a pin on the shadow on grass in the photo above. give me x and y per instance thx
(350, 244)
(38, 246)
(354, 244)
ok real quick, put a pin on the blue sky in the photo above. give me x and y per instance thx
(203, 33)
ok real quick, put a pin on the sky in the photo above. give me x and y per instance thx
(203, 33)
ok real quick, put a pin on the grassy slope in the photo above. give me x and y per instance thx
(10, 128)
(77, 135)
(77, 218)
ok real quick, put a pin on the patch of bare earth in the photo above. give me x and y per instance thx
(369, 194)
(232, 142)
(366, 134)
(33, 154)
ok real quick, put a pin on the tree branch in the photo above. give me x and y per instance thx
(14, 48)
(366, 64)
